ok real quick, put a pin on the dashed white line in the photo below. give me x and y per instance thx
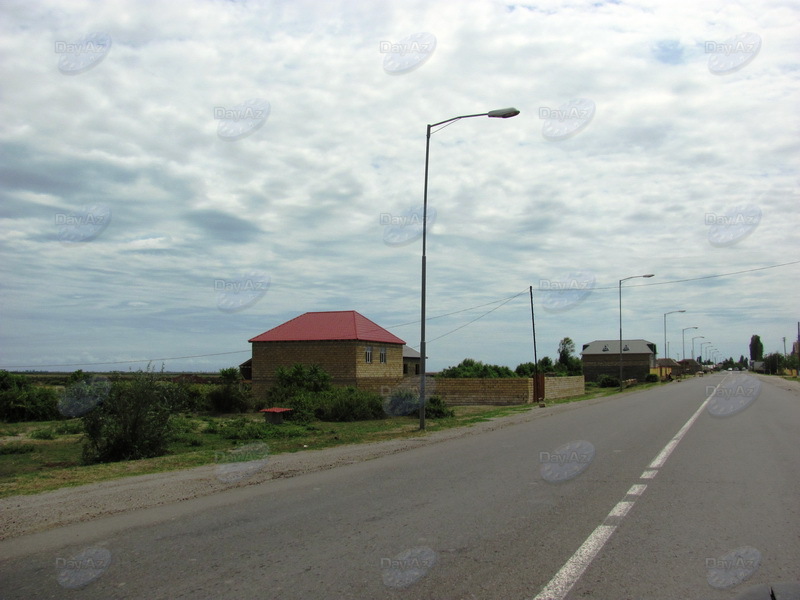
(560, 585)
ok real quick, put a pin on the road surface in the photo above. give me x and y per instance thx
(685, 491)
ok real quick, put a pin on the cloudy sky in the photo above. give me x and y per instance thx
(178, 177)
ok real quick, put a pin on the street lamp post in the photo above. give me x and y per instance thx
(665, 329)
(701, 350)
(698, 337)
(620, 322)
(503, 113)
(683, 340)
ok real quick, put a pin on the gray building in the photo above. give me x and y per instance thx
(601, 357)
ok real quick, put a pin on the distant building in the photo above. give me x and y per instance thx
(666, 368)
(601, 357)
(352, 349)
(411, 361)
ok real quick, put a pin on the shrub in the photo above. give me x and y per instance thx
(69, 427)
(46, 433)
(132, 423)
(475, 368)
(242, 428)
(20, 400)
(402, 402)
(348, 404)
(16, 448)
(82, 395)
(435, 408)
(651, 378)
(231, 396)
(607, 381)
(299, 378)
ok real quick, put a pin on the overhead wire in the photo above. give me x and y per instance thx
(502, 302)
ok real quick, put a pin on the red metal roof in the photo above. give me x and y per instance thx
(331, 325)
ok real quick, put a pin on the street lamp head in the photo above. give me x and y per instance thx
(503, 113)
(649, 275)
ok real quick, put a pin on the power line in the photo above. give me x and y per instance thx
(502, 302)
(122, 362)
(697, 278)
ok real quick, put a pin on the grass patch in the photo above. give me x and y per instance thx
(30, 466)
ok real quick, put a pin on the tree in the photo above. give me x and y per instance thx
(230, 396)
(474, 368)
(565, 349)
(525, 369)
(774, 363)
(756, 348)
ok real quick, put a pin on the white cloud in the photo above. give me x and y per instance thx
(300, 198)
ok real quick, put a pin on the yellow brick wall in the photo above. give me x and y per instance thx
(344, 361)
(563, 387)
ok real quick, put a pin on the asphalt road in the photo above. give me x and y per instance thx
(660, 494)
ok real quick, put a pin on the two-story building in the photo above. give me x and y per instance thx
(352, 349)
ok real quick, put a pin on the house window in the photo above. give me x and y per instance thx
(383, 354)
(405, 368)
(368, 354)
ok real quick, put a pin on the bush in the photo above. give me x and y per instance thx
(228, 399)
(402, 402)
(198, 396)
(16, 448)
(651, 378)
(20, 400)
(475, 368)
(82, 394)
(244, 429)
(299, 378)
(435, 408)
(231, 396)
(69, 427)
(607, 381)
(134, 422)
(42, 434)
(348, 404)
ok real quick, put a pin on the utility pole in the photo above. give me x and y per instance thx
(535, 357)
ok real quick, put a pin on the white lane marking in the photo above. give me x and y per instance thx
(576, 565)
(637, 489)
(620, 510)
(560, 585)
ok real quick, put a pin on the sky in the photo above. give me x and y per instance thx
(179, 177)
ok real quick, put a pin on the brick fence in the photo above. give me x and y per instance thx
(563, 387)
(499, 391)
(465, 391)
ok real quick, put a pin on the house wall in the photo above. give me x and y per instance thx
(344, 361)
(634, 366)
(393, 367)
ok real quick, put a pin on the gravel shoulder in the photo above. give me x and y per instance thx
(23, 515)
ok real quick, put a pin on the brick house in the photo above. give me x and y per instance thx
(348, 346)
(601, 357)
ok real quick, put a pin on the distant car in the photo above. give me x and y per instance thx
(730, 369)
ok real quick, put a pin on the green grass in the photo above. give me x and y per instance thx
(30, 466)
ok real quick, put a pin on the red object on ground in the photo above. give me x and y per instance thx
(275, 414)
